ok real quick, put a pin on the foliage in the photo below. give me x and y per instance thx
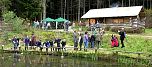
(4, 4)
(132, 43)
(128, 30)
(148, 13)
(27, 8)
(11, 18)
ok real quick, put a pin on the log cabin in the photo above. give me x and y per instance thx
(117, 16)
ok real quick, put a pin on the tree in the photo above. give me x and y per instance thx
(4, 5)
(27, 8)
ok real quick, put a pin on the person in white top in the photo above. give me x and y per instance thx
(37, 24)
(48, 25)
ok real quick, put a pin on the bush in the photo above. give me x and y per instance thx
(107, 28)
(10, 17)
(115, 29)
(148, 14)
(128, 30)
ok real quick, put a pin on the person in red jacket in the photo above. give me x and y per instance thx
(114, 41)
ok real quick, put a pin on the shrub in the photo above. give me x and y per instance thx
(148, 14)
(115, 29)
(128, 30)
(10, 17)
(107, 28)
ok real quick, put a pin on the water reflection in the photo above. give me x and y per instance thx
(18, 60)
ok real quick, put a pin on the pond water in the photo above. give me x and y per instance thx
(18, 60)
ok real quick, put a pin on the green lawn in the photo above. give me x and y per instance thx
(132, 43)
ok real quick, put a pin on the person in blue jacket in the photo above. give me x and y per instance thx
(26, 42)
(47, 45)
(15, 42)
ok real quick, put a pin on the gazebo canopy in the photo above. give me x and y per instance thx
(48, 20)
(60, 19)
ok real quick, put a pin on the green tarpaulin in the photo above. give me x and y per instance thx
(48, 20)
(60, 20)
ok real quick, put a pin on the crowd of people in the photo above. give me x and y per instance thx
(50, 25)
(79, 39)
(87, 39)
(38, 43)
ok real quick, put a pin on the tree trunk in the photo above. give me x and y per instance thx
(44, 9)
(64, 9)
(122, 3)
(71, 14)
(97, 4)
(89, 4)
(150, 4)
(79, 11)
(84, 7)
(61, 8)
(129, 3)
(147, 3)
(67, 9)
(109, 3)
(143, 3)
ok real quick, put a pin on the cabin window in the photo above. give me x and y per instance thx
(118, 20)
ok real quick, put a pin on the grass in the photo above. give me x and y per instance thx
(148, 32)
(135, 44)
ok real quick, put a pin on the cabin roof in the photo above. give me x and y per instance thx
(113, 12)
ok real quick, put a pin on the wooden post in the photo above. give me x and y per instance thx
(2, 47)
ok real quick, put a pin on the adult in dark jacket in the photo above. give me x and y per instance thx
(15, 42)
(39, 44)
(75, 39)
(63, 44)
(80, 41)
(58, 40)
(26, 42)
(92, 40)
(51, 44)
(122, 37)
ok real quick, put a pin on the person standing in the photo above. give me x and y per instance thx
(33, 41)
(47, 45)
(63, 42)
(26, 42)
(15, 42)
(58, 40)
(66, 25)
(98, 39)
(92, 40)
(80, 41)
(75, 39)
(86, 40)
(122, 37)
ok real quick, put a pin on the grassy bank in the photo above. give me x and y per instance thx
(132, 43)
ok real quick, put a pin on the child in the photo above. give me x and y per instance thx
(114, 41)
(47, 45)
(39, 44)
(63, 44)
(15, 42)
(26, 42)
(58, 43)
(51, 44)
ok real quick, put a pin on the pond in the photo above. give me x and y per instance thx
(18, 60)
